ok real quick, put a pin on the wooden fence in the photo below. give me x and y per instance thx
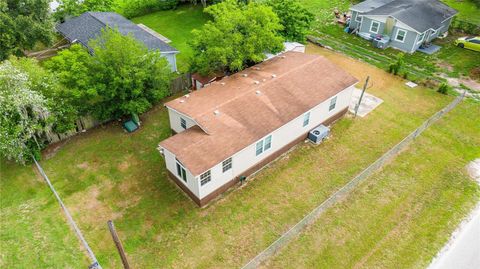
(181, 83)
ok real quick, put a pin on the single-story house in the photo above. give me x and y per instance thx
(402, 24)
(199, 81)
(236, 126)
(89, 26)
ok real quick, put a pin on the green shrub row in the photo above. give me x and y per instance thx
(134, 8)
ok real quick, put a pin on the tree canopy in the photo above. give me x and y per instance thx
(24, 114)
(121, 77)
(77, 7)
(295, 19)
(23, 23)
(238, 36)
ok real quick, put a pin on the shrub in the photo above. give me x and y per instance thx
(134, 8)
(396, 66)
(444, 88)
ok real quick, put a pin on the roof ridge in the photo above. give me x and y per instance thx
(316, 57)
(94, 17)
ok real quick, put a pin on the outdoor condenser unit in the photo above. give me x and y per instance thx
(318, 134)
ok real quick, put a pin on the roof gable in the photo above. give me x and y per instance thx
(420, 15)
(90, 24)
(239, 110)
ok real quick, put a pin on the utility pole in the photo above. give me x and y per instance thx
(118, 244)
(361, 96)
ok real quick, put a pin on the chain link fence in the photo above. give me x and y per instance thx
(283, 240)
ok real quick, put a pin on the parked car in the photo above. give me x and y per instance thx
(469, 42)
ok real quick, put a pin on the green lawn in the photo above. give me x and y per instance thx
(177, 26)
(450, 60)
(468, 11)
(403, 215)
(108, 174)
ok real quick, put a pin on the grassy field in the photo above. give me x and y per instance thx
(177, 26)
(468, 11)
(108, 174)
(402, 216)
(450, 60)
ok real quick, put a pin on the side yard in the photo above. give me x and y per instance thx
(452, 61)
(404, 214)
(107, 174)
(177, 26)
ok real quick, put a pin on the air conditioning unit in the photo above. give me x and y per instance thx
(318, 134)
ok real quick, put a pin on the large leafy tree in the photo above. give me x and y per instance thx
(295, 19)
(23, 23)
(76, 7)
(238, 36)
(24, 115)
(122, 76)
(58, 97)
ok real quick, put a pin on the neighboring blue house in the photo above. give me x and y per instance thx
(89, 25)
(402, 24)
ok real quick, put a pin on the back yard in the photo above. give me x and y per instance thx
(107, 174)
(177, 26)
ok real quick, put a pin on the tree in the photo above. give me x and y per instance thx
(238, 36)
(24, 115)
(295, 19)
(122, 77)
(58, 100)
(76, 7)
(24, 23)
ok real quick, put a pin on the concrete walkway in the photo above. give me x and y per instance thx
(463, 249)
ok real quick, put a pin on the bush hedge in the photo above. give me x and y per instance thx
(134, 8)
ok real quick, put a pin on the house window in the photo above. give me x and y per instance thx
(181, 172)
(183, 123)
(227, 165)
(358, 18)
(259, 147)
(401, 34)
(205, 178)
(306, 119)
(421, 37)
(333, 103)
(374, 27)
(268, 143)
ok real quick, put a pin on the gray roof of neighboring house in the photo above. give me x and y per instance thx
(421, 15)
(90, 24)
(369, 5)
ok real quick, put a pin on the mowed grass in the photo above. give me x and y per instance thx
(177, 25)
(467, 10)
(451, 60)
(403, 215)
(108, 174)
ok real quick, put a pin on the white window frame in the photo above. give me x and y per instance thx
(358, 18)
(404, 36)
(181, 171)
(269, 143)
(227, 165)
(333, 104)
(263, 145)
(306, 119)
(259, 148)
(378, 26)
(205, 178)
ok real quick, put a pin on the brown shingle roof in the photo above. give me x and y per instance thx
(249, 107)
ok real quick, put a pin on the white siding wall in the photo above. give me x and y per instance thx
(174, 117)
(246, 158)
(171, 164)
